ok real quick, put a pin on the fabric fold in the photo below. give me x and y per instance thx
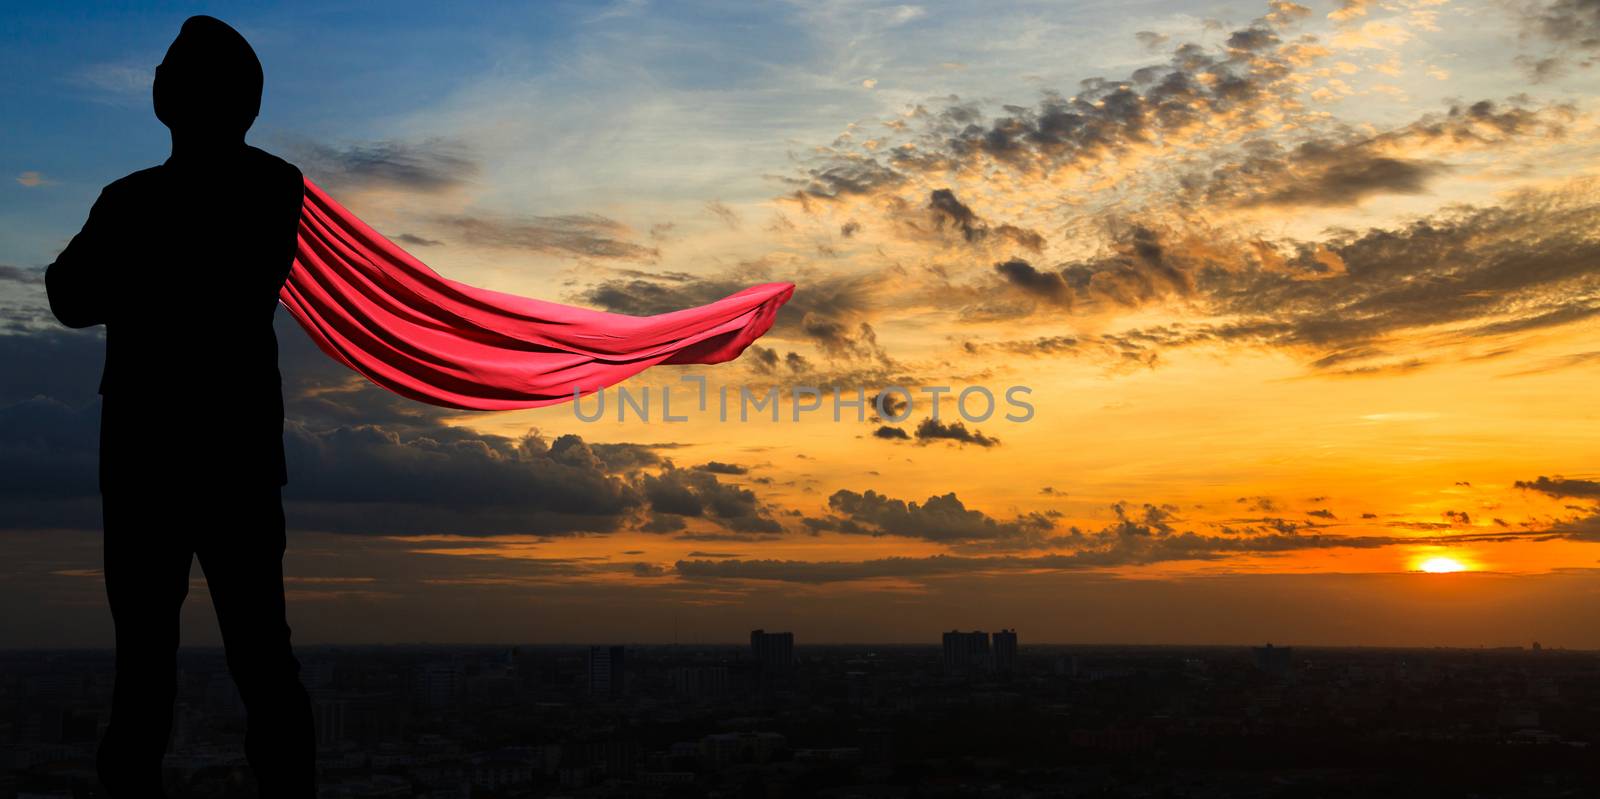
(373, 307)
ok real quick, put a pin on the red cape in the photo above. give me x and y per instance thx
(376, 309)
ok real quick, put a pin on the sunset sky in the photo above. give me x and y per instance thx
(1305, 296)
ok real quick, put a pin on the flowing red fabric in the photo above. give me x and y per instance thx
(376, 309)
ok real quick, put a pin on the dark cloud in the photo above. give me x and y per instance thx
(430, 165)
(1139, 536)
(1315, 174)
(1542, 70)
(1529, 263)
(367, 479)
(891, 403)
(891, 433)
(1130, 349)
(1559, 486)
(718, 467)
(1343, 170)
(1140, 267)
(1151, 40)
(699, 494)
(844, 177)
(650, 294)
(1047, 285)
(1126, 552)
(842, 342)
(628, 457)
(797, 571)
(1180, 548)
(944, 519)
(1474, 273)
(740, 538)
(763, 359)
(361, 460)
(55, 364)
(1483, 123)
(931, 429)
(723, 212)
(1103, 119)
(946, 208)
(1252, 39)
(662, 523)
(439, 164)
(417, 241)
(1573, 26)
(48, 464)
(584, 235)
(1524, 265)
(23, 275)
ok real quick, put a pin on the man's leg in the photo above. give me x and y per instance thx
(146, 563)
(242, 556)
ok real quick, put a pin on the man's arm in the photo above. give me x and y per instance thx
(76, 282)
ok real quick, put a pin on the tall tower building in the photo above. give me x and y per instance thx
(773, 652)
(1274, 660)
(965, 653)
(438, 685)
(1005, 651)
(607, 671)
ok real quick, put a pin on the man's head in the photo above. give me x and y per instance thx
(209, 84)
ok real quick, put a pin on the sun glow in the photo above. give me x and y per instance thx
(1441, 566)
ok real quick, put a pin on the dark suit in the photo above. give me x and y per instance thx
(183, 263)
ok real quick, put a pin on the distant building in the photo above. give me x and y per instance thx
(773, 652)
(1066, 666)
(438, 685)
(966, 653)
(328, 711)
(700, 681)
(607, 671)
(525, 667)
(1005, 651)
(1274, 660)
(727, 748)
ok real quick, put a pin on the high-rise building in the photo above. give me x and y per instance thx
(965, 653)
(438, 685)
(1005, 651)
(328, 710)
(607, 671)
(1274, 660)
(773, 652)
(700, 681)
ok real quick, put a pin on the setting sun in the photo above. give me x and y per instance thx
(1441, 566)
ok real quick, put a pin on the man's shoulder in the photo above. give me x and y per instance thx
(133, 181)
(267, 161)
(260, 167)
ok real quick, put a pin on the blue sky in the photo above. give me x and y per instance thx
(661, 100)
(578, 104)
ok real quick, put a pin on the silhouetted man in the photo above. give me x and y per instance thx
(182, 263)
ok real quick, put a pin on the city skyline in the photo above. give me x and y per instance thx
(709, 721)
(1306, 296)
